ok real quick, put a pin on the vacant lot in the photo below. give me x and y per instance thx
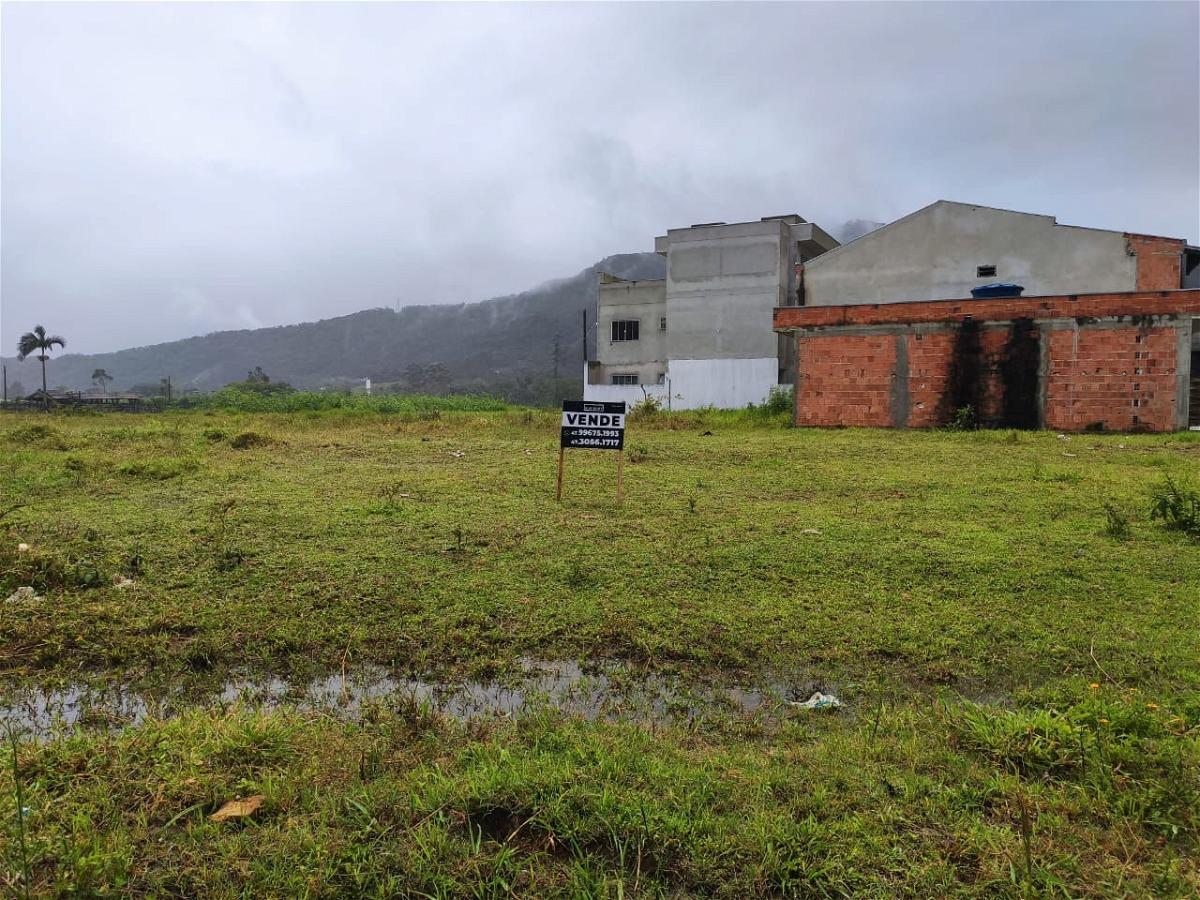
(1020, 671)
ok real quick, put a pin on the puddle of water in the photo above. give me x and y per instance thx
(609, 692)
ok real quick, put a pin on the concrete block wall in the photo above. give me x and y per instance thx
(1116, 361)
(1124, 377)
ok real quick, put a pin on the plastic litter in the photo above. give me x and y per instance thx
(818, 701)
(22, 595)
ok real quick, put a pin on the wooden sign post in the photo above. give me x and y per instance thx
(592, 425)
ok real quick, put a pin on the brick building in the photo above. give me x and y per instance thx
(1121, 358)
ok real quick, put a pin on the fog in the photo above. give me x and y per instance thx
(171, 170)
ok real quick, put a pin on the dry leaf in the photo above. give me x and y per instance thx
(237, 809)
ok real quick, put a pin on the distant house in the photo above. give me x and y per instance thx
(89, 398)
(1096, 329)
(702, 336)
(53, 396)
(945, 250)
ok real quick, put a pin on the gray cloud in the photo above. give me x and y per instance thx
(180, 168)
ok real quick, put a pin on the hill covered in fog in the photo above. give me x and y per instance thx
(503, 346)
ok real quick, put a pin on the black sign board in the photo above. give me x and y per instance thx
(592, 425)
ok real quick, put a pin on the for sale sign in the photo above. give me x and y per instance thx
(592, 425)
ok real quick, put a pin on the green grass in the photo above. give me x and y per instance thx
(237, 400)
(997, 647)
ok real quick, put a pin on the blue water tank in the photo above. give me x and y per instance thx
(999, 289)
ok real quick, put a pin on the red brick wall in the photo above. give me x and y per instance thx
(1123, 378)
(929, 358)
(847, 380)
(1111, 359)
(1159, 261)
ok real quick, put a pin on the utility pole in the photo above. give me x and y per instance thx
(556, 354)
(5, 368)
(583, 389)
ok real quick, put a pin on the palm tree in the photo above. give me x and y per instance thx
(38, 343)
(102, 378)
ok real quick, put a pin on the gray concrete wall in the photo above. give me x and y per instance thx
(644, 301)
(722, 286)
(933, 254)
(648, 373)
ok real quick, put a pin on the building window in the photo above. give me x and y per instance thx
(662, 377)
(624, 379)
(985, 272)
(625, 330)
(662, 323)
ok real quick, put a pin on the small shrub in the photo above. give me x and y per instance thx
(248, 440)
(213, 435)
(156, 469)
(778, 402)
(646, 408)
(37, 435)
(1116, 524)
(638, 453)
(1177, 506)
(229, 559)
(134, 564)
(964, 419)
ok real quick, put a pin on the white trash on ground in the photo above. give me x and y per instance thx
(818, 701)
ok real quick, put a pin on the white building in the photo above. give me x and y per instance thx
(703, 335)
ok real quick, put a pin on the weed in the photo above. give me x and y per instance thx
(76, 467)
(646, 408)
(639, 453)
(779, 403)
(1116, 523)
(1177, 506)
(37, 435)
(248, 440)
(157, 469)
(214, 435)
(19, 801)
(134, 563)
(963, 419)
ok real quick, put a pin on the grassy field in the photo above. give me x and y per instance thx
(1020, 672)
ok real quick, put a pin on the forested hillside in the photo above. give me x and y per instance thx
(503, 346)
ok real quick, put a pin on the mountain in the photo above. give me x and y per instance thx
(502, 346)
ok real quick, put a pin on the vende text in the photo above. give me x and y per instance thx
(593, 420)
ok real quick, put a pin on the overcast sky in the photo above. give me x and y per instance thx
(171, 170)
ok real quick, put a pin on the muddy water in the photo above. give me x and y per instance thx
(610, 692)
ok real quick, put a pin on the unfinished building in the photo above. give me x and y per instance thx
(702, 336)
(1103, 332)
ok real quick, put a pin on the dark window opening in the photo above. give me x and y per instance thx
(625, 330)
(624, 379)
(985, 272)
(662, 323)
